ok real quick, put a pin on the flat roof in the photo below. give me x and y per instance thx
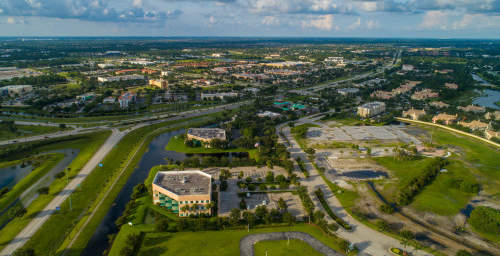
(208, 133)
(184, 182)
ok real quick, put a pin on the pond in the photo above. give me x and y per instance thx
(365, 174)
(488, 99)
(11, 175)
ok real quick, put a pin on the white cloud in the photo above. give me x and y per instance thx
(372, 24)
(434, 20)
(476, 21)
(137, 3)
(355, 25)
(323, 22)
(270, 20)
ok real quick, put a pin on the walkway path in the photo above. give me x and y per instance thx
(247, 243)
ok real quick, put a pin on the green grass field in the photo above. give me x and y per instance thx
(27, 130)
(177, 144)
(440, 196)
(215, 243)
(284, 248)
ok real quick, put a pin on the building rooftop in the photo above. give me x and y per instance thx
(208, 133)
(184, 182)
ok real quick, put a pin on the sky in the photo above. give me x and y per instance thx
(266, 18)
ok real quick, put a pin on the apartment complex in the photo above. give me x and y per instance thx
(371, 109)
(159, 83)
(414, 114)
(183, 192)
(445, 118)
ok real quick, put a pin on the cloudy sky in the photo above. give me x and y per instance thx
(296, 18)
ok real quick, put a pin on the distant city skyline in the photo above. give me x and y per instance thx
(256, 18)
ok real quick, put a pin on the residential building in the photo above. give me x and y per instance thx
(159, 83)
(219, 95)
(85, 97)
(371, 109)
(451, 86)
(424, 94)
(385, 95)
(105, 65)
(347, 91)
(491, 134)
(472, 108)
(109, 100)
(445, 118)
(269, 114)
(285, 64)
(105, 79)
(336, 60)
(183, 192)
(206, 134)
(493, 115)
(414, 114)
(474, 125)
(439, 104)
(165, 73)
(126, 98)
(16, 89)
(407, 67)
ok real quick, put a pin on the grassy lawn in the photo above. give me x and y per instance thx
(177, 144)
(212, 243)
(404, 171)
(481, 158)
(88, 145)
(27, 130)
(440, 196)
(283, 248)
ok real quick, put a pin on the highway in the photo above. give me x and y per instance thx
(115, 137)
(79, 130)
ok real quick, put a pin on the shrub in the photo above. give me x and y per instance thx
(161, 225)
(485, 219)
(463, 253)
(262, 186)
(24, 252)
(43, 190)
(59, 175)
(386, 209)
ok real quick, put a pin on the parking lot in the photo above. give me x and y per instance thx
(360, 133)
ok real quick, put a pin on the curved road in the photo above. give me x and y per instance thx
(247, 243)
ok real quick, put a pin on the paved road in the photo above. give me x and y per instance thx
(115, 137)
(247, 243)
(369, 241)
(316, 88)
